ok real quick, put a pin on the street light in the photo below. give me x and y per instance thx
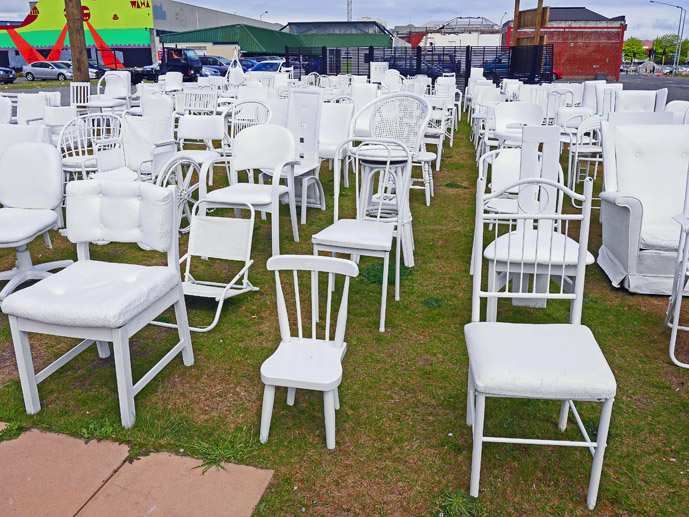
(260, 16)
(680, 32)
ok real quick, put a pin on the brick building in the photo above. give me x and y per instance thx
(585, 42)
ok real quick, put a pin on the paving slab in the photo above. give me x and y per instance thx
(46, 474)
(3, 426)
(164, 484)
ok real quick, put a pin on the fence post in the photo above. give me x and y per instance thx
(286, 55)
(418, 60)
(467, 68)
(370, 60)
(324, 61)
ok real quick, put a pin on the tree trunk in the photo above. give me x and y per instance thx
(77, 40)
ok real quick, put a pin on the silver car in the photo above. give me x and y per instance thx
(48, 70)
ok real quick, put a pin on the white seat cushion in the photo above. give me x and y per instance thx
(20, 224)
(76, 162)
(426, 156)
(559, 361)
(304, 363)
(93, 294)
(352, 233)
(661, 237)
(544, 240)
(254, 194)
(120, 174)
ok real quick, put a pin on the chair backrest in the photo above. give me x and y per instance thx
(476, 72)
(197, 101)
(5, 110)
(201, 128)
(117, 84)
(100, 211)
(650, 163)
(235, 73)
(313, 265)
(358, 79)
(31, 176)
(80, 135)
(605, 97)
(635, 117)
(220, 237)
(679, 110)
(252, 93)
(577, 90)
(173, 81)
(157, 105)
(304, 121)
(335, 123)
(247, 114)
(589, 97)
(79, 93)
(527, 113)
(57, 117)
(139, 134)
(391, 81)
(637, 101)
(558, 98)
(30, 106)
(534, 236)
(11, 134)
(363, 93)
(262, 147)
(52, 98)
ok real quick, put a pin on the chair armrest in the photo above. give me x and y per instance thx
(683, 220)
(515, 125)
(621, 217)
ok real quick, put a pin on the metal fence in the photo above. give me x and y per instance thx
(532, 64)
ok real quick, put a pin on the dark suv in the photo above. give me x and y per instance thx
(219, 63)
(184, 60)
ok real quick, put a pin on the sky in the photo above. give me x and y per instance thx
(644, 20)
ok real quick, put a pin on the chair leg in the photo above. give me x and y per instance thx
(304, 194)
(397, 264)
(564, 414)
(384, 294)
(478, 444)
(267, 412)
(27, 375)
(183, 328)
(291, 393)
(337, 399)
(123, 372)
(470, 400)
(426, 183)
(103, 349)
(293, 216)
(329, 413)
(597, 467)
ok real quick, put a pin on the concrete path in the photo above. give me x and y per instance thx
(46, 474)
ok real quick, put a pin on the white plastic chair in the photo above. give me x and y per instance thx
(224, 238)
(30, 108)
(196, 101)
(308, 363)
(680, 110)
(157, 105)
(57, 117)
(115, 85)
(173, 82)
(11, 134)
(561, 362)
(336, 119)
(511, 117)
(640, 100)
(5, 110)
(31, 195)
(247, 114)
(105, 302)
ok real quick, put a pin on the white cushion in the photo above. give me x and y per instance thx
(522, 248)
(353, 233)
(661, 237)
(119, 174)
(76, 162)
(559, 361)
(20, 224)
(426, 156)
(92, 294)
(305, 363)
(254, 194)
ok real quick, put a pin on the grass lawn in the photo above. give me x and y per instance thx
(402, 445)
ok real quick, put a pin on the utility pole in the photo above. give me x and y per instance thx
(515, 25)
(77, 40)
(539, 23)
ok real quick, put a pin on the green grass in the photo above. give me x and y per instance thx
(402, 445)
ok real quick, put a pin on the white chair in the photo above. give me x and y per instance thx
(57, 117)
(560, 362)
(115, 85)
(363, 94)
(247, 114)
(5, 110)
(11, 134)
(79, 96)
(196, 101)
(336, 118)
(308, 363)
(173, 82)
(510, 119)
(585, 150)
(680, 109)
(30, 194)
(645, 173)
(30, 108)
(157, 105)
(224, 238)
(605, 97)
(640, 100)
(263, 147)
(105, 302)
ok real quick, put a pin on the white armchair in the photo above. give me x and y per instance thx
(105, 302)
(645, 175)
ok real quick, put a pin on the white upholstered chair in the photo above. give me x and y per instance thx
(105, 302)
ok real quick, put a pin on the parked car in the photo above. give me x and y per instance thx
(92, 73)
(7, 75)
(207, 71)
(268, 66)
(47, 70)
(260, 59)
(406, 65)
(184, 60)
(498, 68)
(247, 64)
(219, 63)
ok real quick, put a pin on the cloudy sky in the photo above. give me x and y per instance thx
(644, 20)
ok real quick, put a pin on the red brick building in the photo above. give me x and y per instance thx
(585, 42)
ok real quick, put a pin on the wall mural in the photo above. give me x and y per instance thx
(107, 23)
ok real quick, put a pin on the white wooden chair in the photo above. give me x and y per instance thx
(561, 362)
(31, 196)
(79, 96)
(308, 363)
(224, 238)
(105, 302)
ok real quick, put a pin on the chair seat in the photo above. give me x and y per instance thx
(92, 294)
(312, 364)
(120, 174)
(252, 193)
(560, 361)
(76, 162)
(328, 150)
(516, 248)
(353, 233)
(426, 156)
(198, 155)
(589, 149)
(23, 224)
(660, 237)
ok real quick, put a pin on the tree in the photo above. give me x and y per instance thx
(668, 43)
(77, 40)
(631, 46)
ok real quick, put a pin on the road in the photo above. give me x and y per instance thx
(678, 87)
